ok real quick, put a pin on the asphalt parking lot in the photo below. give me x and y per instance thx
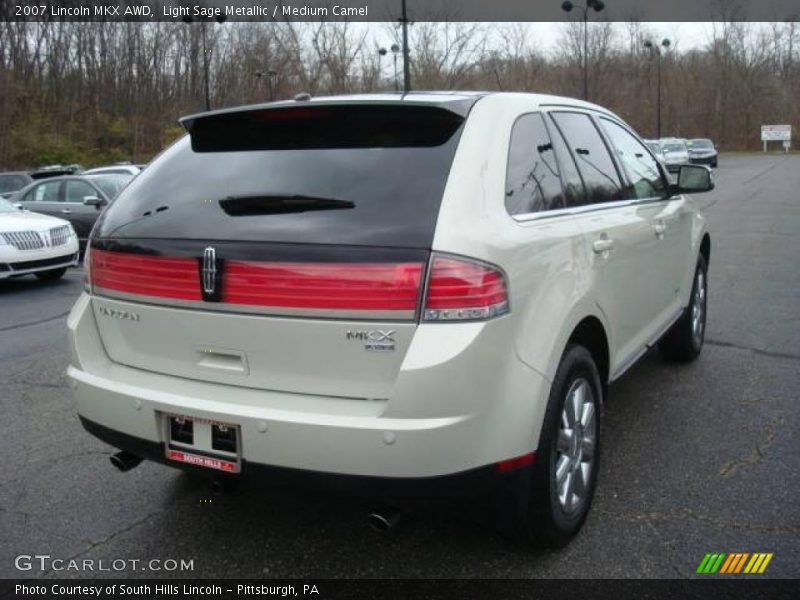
(699, 458)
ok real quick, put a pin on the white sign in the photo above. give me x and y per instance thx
(776, 133)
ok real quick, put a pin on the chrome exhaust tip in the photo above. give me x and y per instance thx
(125, 461)
(384, 520)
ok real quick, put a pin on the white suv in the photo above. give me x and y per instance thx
(391, 287)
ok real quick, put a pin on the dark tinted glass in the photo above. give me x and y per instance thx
(640, 166)
(76, 191)
(574, 191)
(532, 180)
(380, 195)
(592, 157)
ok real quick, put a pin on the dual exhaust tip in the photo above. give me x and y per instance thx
(383, 520)
(125, 461)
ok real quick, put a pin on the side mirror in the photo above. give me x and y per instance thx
(693, 179)
(94, 201)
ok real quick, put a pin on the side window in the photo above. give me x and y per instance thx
(641, 167)
(46, 192)
(532, 179)
(591, 155)
(77, 190)
(574, 191)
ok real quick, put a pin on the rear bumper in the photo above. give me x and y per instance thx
(500, 420)
(483, 480)
(703, 160)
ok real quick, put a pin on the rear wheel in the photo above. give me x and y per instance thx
(51, 275)
(684, 341)
(553, 499)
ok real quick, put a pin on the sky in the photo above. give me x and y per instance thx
(683, 35)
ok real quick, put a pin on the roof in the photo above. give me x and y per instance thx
(456, 101)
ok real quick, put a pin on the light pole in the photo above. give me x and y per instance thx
(206, 58)
(271, 73)
(395, 51)
(406, 62)
(665, 43)
(597, 5)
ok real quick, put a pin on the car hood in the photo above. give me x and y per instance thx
(28, 221)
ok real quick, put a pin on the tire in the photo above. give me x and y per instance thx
(684, 341)
(545, 512)
(51, 275)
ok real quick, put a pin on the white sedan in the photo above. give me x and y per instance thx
(35, 244)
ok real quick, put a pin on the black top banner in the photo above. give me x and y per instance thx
(391, 10)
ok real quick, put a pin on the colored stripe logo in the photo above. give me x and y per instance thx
(734, 563)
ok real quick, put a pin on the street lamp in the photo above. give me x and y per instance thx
(597, 5)
(271, 73)
(665, 44)
(406, 63)
(206, 59)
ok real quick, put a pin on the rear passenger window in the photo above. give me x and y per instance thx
(641, 167)
(574, 192)
(592, 157)
(532, 180)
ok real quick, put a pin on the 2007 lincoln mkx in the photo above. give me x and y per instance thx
(430, 286)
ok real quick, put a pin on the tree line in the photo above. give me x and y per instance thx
(105, 91)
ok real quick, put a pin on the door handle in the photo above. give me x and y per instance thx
(602, 245)
(660, 228)
(66, 211)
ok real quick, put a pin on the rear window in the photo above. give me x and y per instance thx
(349, 175)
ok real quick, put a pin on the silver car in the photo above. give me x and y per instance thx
(676, 153)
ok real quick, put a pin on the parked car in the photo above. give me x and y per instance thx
(123, 169)
(35, 244)
(703, 152)
(655, 148)
(400, 288)
(12, 181)
(78, 199)
(676, 154)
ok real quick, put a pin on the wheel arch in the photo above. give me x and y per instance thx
(591, 334)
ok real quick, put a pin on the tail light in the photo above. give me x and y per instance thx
(144, 275)
(464, 290)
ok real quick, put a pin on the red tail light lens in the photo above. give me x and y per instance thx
(156, 276)
(324, 286)
(464, 290)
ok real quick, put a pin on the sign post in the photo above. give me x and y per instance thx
(777, 133)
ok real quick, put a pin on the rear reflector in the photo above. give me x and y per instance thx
(332, 286)
(460, 290)
(512, 464)
(143, 275)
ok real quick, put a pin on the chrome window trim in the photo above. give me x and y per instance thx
(587, 208)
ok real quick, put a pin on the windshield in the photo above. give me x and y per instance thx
(12, 183)
(654, 147)
(111, 184)
(674, 147)
(6, 206)
(704, 144)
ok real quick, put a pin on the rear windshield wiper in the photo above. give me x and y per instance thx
(245, 206)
